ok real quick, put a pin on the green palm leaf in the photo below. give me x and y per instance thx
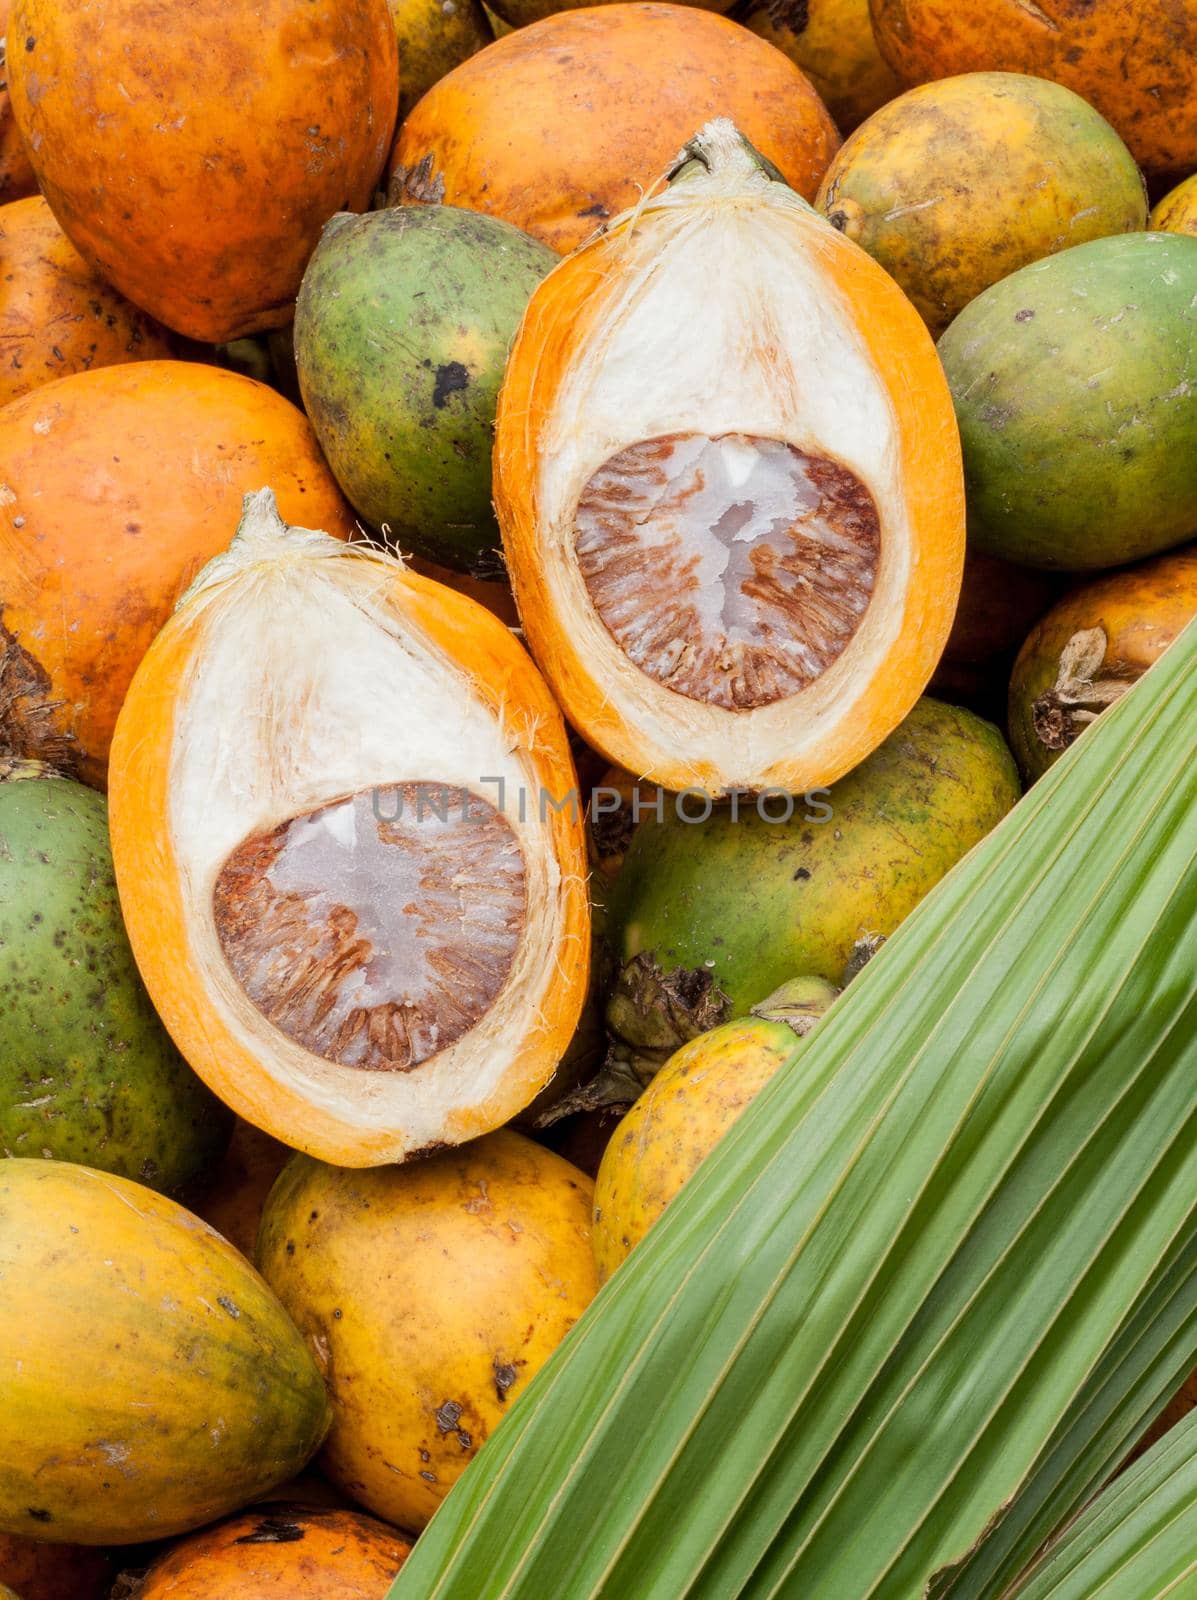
(1138, 1540)
(1146, 1364)
(927, 1255)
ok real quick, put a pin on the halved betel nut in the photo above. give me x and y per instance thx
(349, 848)
(728, 477)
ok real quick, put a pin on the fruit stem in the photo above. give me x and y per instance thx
(15, 769)
(799, 1003)
(720, 150)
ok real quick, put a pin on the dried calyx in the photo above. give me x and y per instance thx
(800, 1003)
(30, 718)
(386, 935)
(728, 480)
(1080, 693)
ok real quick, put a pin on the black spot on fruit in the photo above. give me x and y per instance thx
(448, 1415)
(996, 416)
(791, 14)
(273, 1530)
(450, 378)
(1026, 315)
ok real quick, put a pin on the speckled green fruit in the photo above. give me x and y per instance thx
(87, 1071)
(401, 335)
(740, 903)
(1075, 382)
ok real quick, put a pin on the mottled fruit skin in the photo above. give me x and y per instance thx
(750, 902)
(434, 36)
(16, 172)
(37, 1571)
(1075, 383)
(192, 153)
(1135, 60)
(152, 1381)
(1139, 613)
(999, 602)
(955, 185)
(1177, 211)
(281, 1552)
(401, 335)
(236, 1192)
(115, 488)
(833, 42)
(87, 1071)
(57, 316)
(676, 1123)
(562, 125)
(430, 1293)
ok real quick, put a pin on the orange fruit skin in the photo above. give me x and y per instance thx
(999, 603)
(561, 125)
(1135, 60)
(56, 316)
(193, 151)
(520, 13)
(116, 487)
(237, 1193)
(1140, 609)
(36, 1571)
(16, 172)
(282, 1552)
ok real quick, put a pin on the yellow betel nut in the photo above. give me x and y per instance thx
(686, 1110)
(957, 184)
(430, 1294)
(1177, 211)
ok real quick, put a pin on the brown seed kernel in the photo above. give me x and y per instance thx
(733, 570)
(378, 929)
